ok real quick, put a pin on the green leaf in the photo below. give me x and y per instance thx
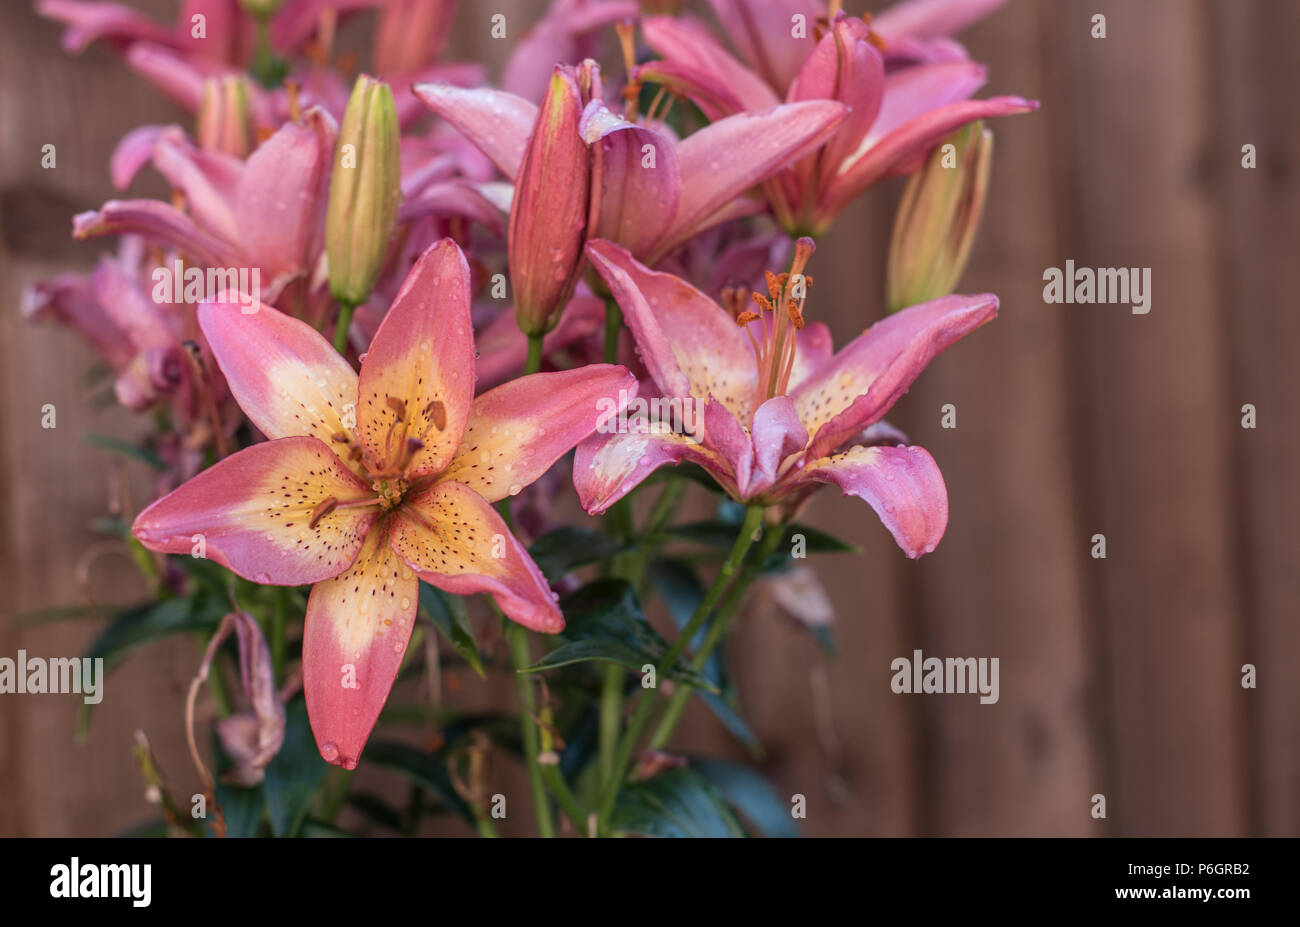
(425, 769)
(450, 617)
(57, 613)
(604, 622)
(377, 810)
(242, 809)
(127, 449)
(720, 533)
(562, 551)
(676, 803)
(295, 774)
(146, 623)
(750, 794)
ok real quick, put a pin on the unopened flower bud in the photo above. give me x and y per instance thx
(937, 218)
(223, 115)
(261, 9)
(364, 191)
(548, 215)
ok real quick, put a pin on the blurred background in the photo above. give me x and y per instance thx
(1119, 677)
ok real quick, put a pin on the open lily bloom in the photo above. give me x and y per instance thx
(266, 212)
(894, 118)
(371, 481)
(781, 412)
(696, 182)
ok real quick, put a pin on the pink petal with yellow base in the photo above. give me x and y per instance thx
(417, 381)
(285, 376)
(357, 627)
(518, 430)
(257, 513)
(902, 484)
(860, 384)
(456, 541)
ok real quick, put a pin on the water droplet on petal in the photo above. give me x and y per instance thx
(329, 751)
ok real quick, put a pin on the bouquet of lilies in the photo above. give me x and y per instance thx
(434, 371)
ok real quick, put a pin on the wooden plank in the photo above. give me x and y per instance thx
(1254, 45)
(1154, 458)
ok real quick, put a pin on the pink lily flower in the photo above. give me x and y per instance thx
(266, 212)
(894, 119)
(141, 340)
(782, 414)
(569, 31)
(371, 481)
(695, 183)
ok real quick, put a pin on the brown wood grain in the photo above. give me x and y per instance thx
(1119, 676)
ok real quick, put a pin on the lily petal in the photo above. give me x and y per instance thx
(280, 203)
(207, 179)
(355, 635)
(606, 467)
(633, 203)
(868, 375)
(762, 30)
(730, 156)
(697, 65)
(252, 513)
(285, 376)
(159, 223)
(905, 148)
(169, 72)
(931, 19)
(498, 123)
(456, 541)
(417, 381)
(135, 150)
(518, 430)
(717, 361)
(777, 433)
(902, 484)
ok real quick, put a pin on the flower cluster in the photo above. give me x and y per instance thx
(379, 311)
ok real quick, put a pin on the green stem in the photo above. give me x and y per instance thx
(534, 362)
(611, 713)
(279, 632)
(517, 637)
(341, 329)
(560, 789)
(613, 324)
(717, 631)
(485, 827)
(646, 705)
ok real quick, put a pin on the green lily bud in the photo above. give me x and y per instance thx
(261, 9)
(223, 115)
(364, 192)
(937, 218)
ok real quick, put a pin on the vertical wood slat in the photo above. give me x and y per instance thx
(1156, 464)
(1005, 581)
(1254, 44)
(1072, 419)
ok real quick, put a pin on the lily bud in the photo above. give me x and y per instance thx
(223, 115)
(548, 215)
(937, 218)
(364, 192)
(261, 9)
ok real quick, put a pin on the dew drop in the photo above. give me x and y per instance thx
(329, 751)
